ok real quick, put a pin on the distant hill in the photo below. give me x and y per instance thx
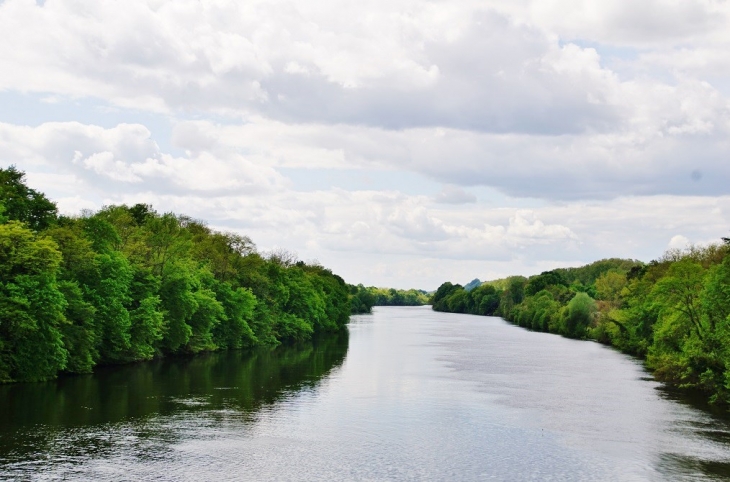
(475, 283)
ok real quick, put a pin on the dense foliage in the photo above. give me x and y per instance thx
(674, 312)
(363, 299)
(128, 283)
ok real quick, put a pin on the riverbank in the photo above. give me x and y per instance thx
(408, 394)
(127, 284)
(674, 312)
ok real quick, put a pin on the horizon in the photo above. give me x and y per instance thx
(400, 144)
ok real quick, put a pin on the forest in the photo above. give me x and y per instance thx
(363, 299)
(127, 283)
(673, 312)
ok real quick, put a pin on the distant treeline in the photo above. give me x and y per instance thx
(363, 299)
(127, 283)
(674, 311)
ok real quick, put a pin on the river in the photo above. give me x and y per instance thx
(405, 394)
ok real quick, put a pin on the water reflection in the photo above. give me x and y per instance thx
(709, 427)
(133, 409)
(409, 394)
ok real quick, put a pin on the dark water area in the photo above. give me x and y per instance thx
(406, 394)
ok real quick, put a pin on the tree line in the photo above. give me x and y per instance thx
(674, 312)
(364, 298)
(127, 283)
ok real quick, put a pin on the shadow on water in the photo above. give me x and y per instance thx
(681, 466)
(714, 427)
(240, 381)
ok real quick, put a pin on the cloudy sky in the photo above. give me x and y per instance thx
(401, 143)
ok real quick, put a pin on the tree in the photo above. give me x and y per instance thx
(127, 284)
(167, 241)
(544, 280)
(457, 301)
(145, 313)
(111, 296)
(77, 274)
(609, 287)
(440, 298)
(678, 294)
(485, 300)
(24, 204)
(234, 330)
(361, 299)
(179, 304)
(79, 332)
(578, 315)
(31, 306)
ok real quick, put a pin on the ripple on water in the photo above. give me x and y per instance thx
(410, 395)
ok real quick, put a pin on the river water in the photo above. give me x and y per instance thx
(407, 394)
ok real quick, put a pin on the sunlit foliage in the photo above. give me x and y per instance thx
(127, 284)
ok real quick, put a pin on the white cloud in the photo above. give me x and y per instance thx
(451, 194)
(103, 163)
(126, 158)
(457, 64)
(678, 242)
(626, 22)
(615, 115)
(643, 158)
(355, 232)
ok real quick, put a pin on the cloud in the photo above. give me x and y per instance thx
(104, 164)
(498, 94)
(355, 231)
(608, 120)
(688, 158)
(624, 22)
(454, 65)
(125, 158)
(678, 242)
(451, 194)
(659, 155)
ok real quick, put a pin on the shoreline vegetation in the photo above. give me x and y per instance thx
(127, 284)
(674, 312)
(363, 299)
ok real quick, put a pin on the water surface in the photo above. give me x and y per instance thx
(410, 394)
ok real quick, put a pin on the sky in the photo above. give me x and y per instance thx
(401, 143)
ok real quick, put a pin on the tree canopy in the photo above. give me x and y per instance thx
(127, 283)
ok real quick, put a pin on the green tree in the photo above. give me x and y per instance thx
(111, 296)
(457, 302)
(127, 284)
(179, 304)
(678, 295)
(145, 314)
(79, 332)
(77, 275)
(579, 314)
(234, 330)
(24, 204)
(167, 241)
(485, 300)
(543, 281)
(362, 299)
(440, 298)
(31, 306)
